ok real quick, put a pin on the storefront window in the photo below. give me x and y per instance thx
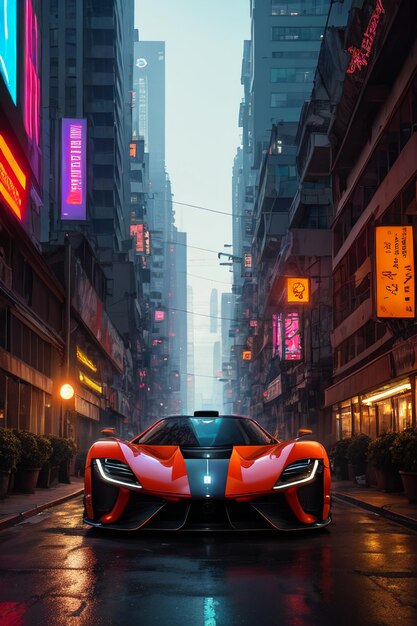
(356, 415)
(345, 419)
(368, 424)
(385, 416)
(402, 411)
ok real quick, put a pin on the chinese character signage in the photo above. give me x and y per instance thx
(298, 290)
(8, 45)
(73, 169)
(292, 337)
(13, 180)
(360, 56)
(246, 355)
(395, 291)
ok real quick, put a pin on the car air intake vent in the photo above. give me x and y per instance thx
(118, 470)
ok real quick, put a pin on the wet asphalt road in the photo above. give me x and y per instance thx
(56, 571)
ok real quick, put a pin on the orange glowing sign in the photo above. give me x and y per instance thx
(13, 181)
(132, 150)
(394, 272)
(246, 355)
(298, 290)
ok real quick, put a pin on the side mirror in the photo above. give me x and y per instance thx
(304, 431)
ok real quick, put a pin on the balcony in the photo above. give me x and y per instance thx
(313, 158)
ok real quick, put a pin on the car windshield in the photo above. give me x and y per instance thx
(205, 432)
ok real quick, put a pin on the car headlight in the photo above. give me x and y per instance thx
(297, 473)
(117, 473)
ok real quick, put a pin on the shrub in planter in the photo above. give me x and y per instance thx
(380, 457)
(379, 451)
(10, 452)
(45, 448)
(30, 462)
(59, 449)
(356, 454)
(338, 457)
(32, 456)
(404, 450)
(10, 449)
(358, 449)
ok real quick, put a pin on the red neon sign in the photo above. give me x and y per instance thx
(13, 181)
(360, 56)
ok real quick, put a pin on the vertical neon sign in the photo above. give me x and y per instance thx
(8, 46)
(32, 83)
(73, 169)
(292, 337)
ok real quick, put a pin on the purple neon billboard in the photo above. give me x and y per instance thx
(73, 169)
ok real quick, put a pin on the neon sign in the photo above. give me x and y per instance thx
(8, 46)
(292, 337)
(13, 181)
(360, 56)
(136, 231)
(32, 83)
(298, 290)
(73, 169)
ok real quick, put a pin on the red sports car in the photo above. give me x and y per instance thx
(207, 472)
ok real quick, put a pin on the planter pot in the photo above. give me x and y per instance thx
(356, 470)
(64, 472)
(4, 483)
(26, 479)
(388, 480)
(48, 476)
(409, 480)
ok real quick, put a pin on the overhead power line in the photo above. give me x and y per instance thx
(202, 208)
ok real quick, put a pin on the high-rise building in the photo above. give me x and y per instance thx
(86, 130)
(166, 292)
(31, 298)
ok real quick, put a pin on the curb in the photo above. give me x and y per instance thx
(409, 522)
(11, 520)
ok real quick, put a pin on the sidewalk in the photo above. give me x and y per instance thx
(394, 506)
(18, 506)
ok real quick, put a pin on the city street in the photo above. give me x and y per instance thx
(56, 571)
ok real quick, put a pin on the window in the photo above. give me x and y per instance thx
(300, 33)
(291, 75)
(294, 54)
(288, 99)
(300, 7)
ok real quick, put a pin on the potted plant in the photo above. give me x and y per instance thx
(338, 458)
(380, 457)
(44, 479)
(30, 463)
(10, 452)
(404, 453)
(68, 451)
(356, 454)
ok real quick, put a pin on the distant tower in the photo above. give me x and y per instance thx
(214, 311)
(191, 400)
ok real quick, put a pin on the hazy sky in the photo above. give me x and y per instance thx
(204, 46)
